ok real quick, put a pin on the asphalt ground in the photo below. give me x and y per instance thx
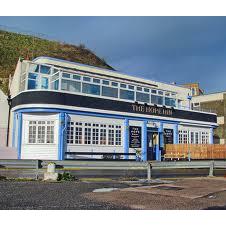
(79, 195)
(29, 195)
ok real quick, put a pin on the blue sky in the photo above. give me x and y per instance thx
(169, 49)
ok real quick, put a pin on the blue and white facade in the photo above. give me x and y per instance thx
(65, 110)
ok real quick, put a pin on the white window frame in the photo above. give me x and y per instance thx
(37, 125)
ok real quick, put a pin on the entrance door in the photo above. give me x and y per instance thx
(152, 145)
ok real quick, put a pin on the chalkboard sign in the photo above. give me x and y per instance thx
(168, 136)
(135, 137)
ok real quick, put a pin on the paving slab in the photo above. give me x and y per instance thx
(195, 193)
(191, 189)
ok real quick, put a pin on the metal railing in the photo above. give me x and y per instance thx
(38, 166)
(211, 165)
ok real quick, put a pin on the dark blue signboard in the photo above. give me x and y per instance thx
(168, 136)
(135, 137)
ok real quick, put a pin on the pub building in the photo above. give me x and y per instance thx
(65, 110)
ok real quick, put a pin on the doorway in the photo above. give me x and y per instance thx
(152, 144)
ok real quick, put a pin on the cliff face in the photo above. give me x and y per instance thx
(14, 45)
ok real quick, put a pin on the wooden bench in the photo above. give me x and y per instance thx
(175, 156)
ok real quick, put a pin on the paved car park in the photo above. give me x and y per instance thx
(192, 193)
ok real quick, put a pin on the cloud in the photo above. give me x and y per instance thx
(180, 49)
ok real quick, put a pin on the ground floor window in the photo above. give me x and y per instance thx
(193, 137)
(205, 138)
(41, 132)
(94, 133)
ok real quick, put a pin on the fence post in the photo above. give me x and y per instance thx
(38, 164)
(189, 153)
(211, 168)
(149, 168)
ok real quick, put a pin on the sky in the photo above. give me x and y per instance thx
(167, 49)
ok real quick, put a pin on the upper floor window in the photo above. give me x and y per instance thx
(77, 77)
(66, 80)
(45, 69)
(45, 83)
(126, 94)
(90, 89)
(123, 86)
(95, 80)
(114, 84)
(87, 79)
(109, 91)
(66, 75)
(160, 92)
(143, 97)
(32, 81)
(156, 99)
(105, 82)
(33, 68)
(170, 102)
(69, 85)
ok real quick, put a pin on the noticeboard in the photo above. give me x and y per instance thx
(135, 137)
(168, 136)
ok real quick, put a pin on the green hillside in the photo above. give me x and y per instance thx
(14, 45)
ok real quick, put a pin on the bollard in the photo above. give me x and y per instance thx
(149, 168)
(51, 172)
(51, 168)
(211, 168)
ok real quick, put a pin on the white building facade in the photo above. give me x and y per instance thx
(3, 119)
(65, 110)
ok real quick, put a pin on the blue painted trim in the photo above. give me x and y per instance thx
(160, 128)
(158, 150)
(62, 124)
(14, 129)
(175, 134)
(126, 138)
(211, 136)
(144, 141)
(76, 112)
(20, 125)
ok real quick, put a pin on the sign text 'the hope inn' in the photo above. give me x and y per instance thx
(152, 110)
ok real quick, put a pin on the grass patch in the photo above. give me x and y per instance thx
(15, 45)
(96, 179)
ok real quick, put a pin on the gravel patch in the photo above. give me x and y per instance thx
(58, 195)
